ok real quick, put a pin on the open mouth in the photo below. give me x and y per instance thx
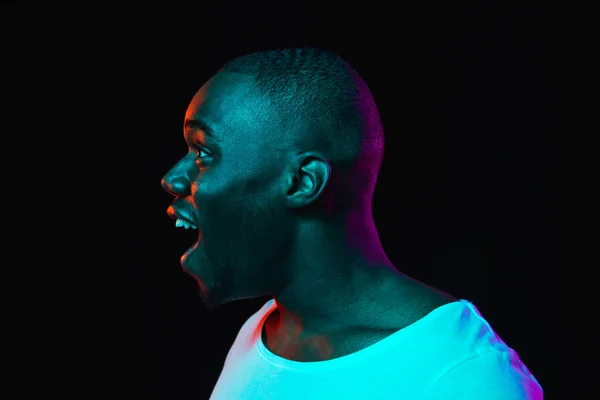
(183, 223)
(186, 235)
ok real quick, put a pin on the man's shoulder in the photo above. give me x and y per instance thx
(474, 376)
(416, 304)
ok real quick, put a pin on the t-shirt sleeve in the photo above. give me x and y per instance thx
(492, 375)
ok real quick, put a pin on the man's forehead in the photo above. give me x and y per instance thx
(226, 90)
(230, 100)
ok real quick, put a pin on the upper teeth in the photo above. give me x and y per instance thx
(179, 222)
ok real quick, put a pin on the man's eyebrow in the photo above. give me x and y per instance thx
(192, 124)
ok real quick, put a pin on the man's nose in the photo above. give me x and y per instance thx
(176, 184)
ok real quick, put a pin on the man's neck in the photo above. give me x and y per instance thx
(385, 310)
(382, 303)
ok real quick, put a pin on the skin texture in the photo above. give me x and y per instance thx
(248, 192)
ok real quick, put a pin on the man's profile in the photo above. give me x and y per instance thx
(284, 149)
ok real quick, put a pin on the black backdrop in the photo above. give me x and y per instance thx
(467, 97)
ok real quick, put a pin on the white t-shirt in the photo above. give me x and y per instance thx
(451, 353)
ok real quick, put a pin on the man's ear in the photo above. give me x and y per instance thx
(308, 176)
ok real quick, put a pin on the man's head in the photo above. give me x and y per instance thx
(281, 143)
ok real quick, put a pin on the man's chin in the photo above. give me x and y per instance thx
(208, 290)
(211, 296)
(205, 295)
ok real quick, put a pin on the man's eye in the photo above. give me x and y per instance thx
(199, 153)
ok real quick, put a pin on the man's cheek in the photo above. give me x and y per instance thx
(217, 218)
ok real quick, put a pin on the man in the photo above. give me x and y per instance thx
(284, 151)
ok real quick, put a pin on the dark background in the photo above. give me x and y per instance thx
(467, 95)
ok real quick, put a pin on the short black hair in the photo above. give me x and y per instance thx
(323, 93)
